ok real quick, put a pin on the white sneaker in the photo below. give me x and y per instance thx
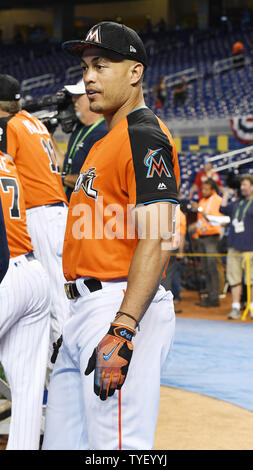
(234, 314)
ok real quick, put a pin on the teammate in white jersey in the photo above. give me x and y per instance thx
(24, 318)
(28, 141)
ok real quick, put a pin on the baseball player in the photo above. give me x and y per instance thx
(105, 387)
(24, 318)
(4, 249)
(27, 140)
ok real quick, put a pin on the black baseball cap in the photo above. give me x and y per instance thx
(113, 37)
(10, 89)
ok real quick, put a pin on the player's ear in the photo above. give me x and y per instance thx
(137, 71)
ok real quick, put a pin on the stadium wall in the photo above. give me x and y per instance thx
(10, 19)
(132, 12)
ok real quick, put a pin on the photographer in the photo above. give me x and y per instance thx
(240, 239)
(89, 129)
(208, 238)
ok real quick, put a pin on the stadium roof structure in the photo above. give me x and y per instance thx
(8, 4)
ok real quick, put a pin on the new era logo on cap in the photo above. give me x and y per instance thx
(94, 34)
(132, 49)
(161, 186)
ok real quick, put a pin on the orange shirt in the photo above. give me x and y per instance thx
(181, 227)
(182, 223)
(28, 141)
(12, 197)
(211, 206)
(237, 47)
(135, 163)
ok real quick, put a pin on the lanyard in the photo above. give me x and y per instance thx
(244, 210)
(74, 149)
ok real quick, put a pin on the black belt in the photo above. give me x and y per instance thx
(30, 256)
(60, 204)
(72, 291)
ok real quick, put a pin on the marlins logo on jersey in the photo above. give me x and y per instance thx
(153, 165)
(85, 181)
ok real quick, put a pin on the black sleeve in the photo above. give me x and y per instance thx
(4, 250)
(153, 165)
(3, 133)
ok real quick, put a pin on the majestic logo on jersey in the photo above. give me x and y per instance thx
(3, 163)
(94, 34)
(155, 163)
(85, 181)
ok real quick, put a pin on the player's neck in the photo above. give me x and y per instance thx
(113, 119)
(4, 113)
(88, 121)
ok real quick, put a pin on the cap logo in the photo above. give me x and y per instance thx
(132, 49)
(94, 35)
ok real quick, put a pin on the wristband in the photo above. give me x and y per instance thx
(119, 314)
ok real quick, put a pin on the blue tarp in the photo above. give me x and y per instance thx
(213, 358)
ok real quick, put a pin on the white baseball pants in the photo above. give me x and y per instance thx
(46, 226)
(24, 342)
(76, 418)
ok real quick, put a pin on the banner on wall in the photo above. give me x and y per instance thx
(242, 128)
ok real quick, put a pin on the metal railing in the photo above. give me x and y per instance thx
(72, 73)
(230, 155)
(230, 63)
(37, 82)
(174, 78)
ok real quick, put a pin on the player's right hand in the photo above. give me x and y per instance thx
(110, 360)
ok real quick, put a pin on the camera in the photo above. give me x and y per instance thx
(53, 110)
(234, 182)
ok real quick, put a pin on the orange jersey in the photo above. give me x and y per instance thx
(13, 203)
(211, 206)
(135, 163)
(182, 223)
(28, 141)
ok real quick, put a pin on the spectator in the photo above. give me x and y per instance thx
(89, 129)
(160, 93)
(202, 176)
(172, 281)
(240, 240)
(179, 93)
(237, 54)
(208, 234)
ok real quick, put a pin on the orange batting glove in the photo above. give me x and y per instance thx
(110, 360)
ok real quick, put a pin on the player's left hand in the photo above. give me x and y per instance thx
(110, 360)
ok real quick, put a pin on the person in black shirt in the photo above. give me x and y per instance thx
(90, 128)
(240, 240)
(179, 93)
(160, 93)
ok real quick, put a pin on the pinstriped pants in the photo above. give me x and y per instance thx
(24, 342)
(46, 227)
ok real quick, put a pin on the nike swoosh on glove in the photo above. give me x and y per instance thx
(110, 360)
